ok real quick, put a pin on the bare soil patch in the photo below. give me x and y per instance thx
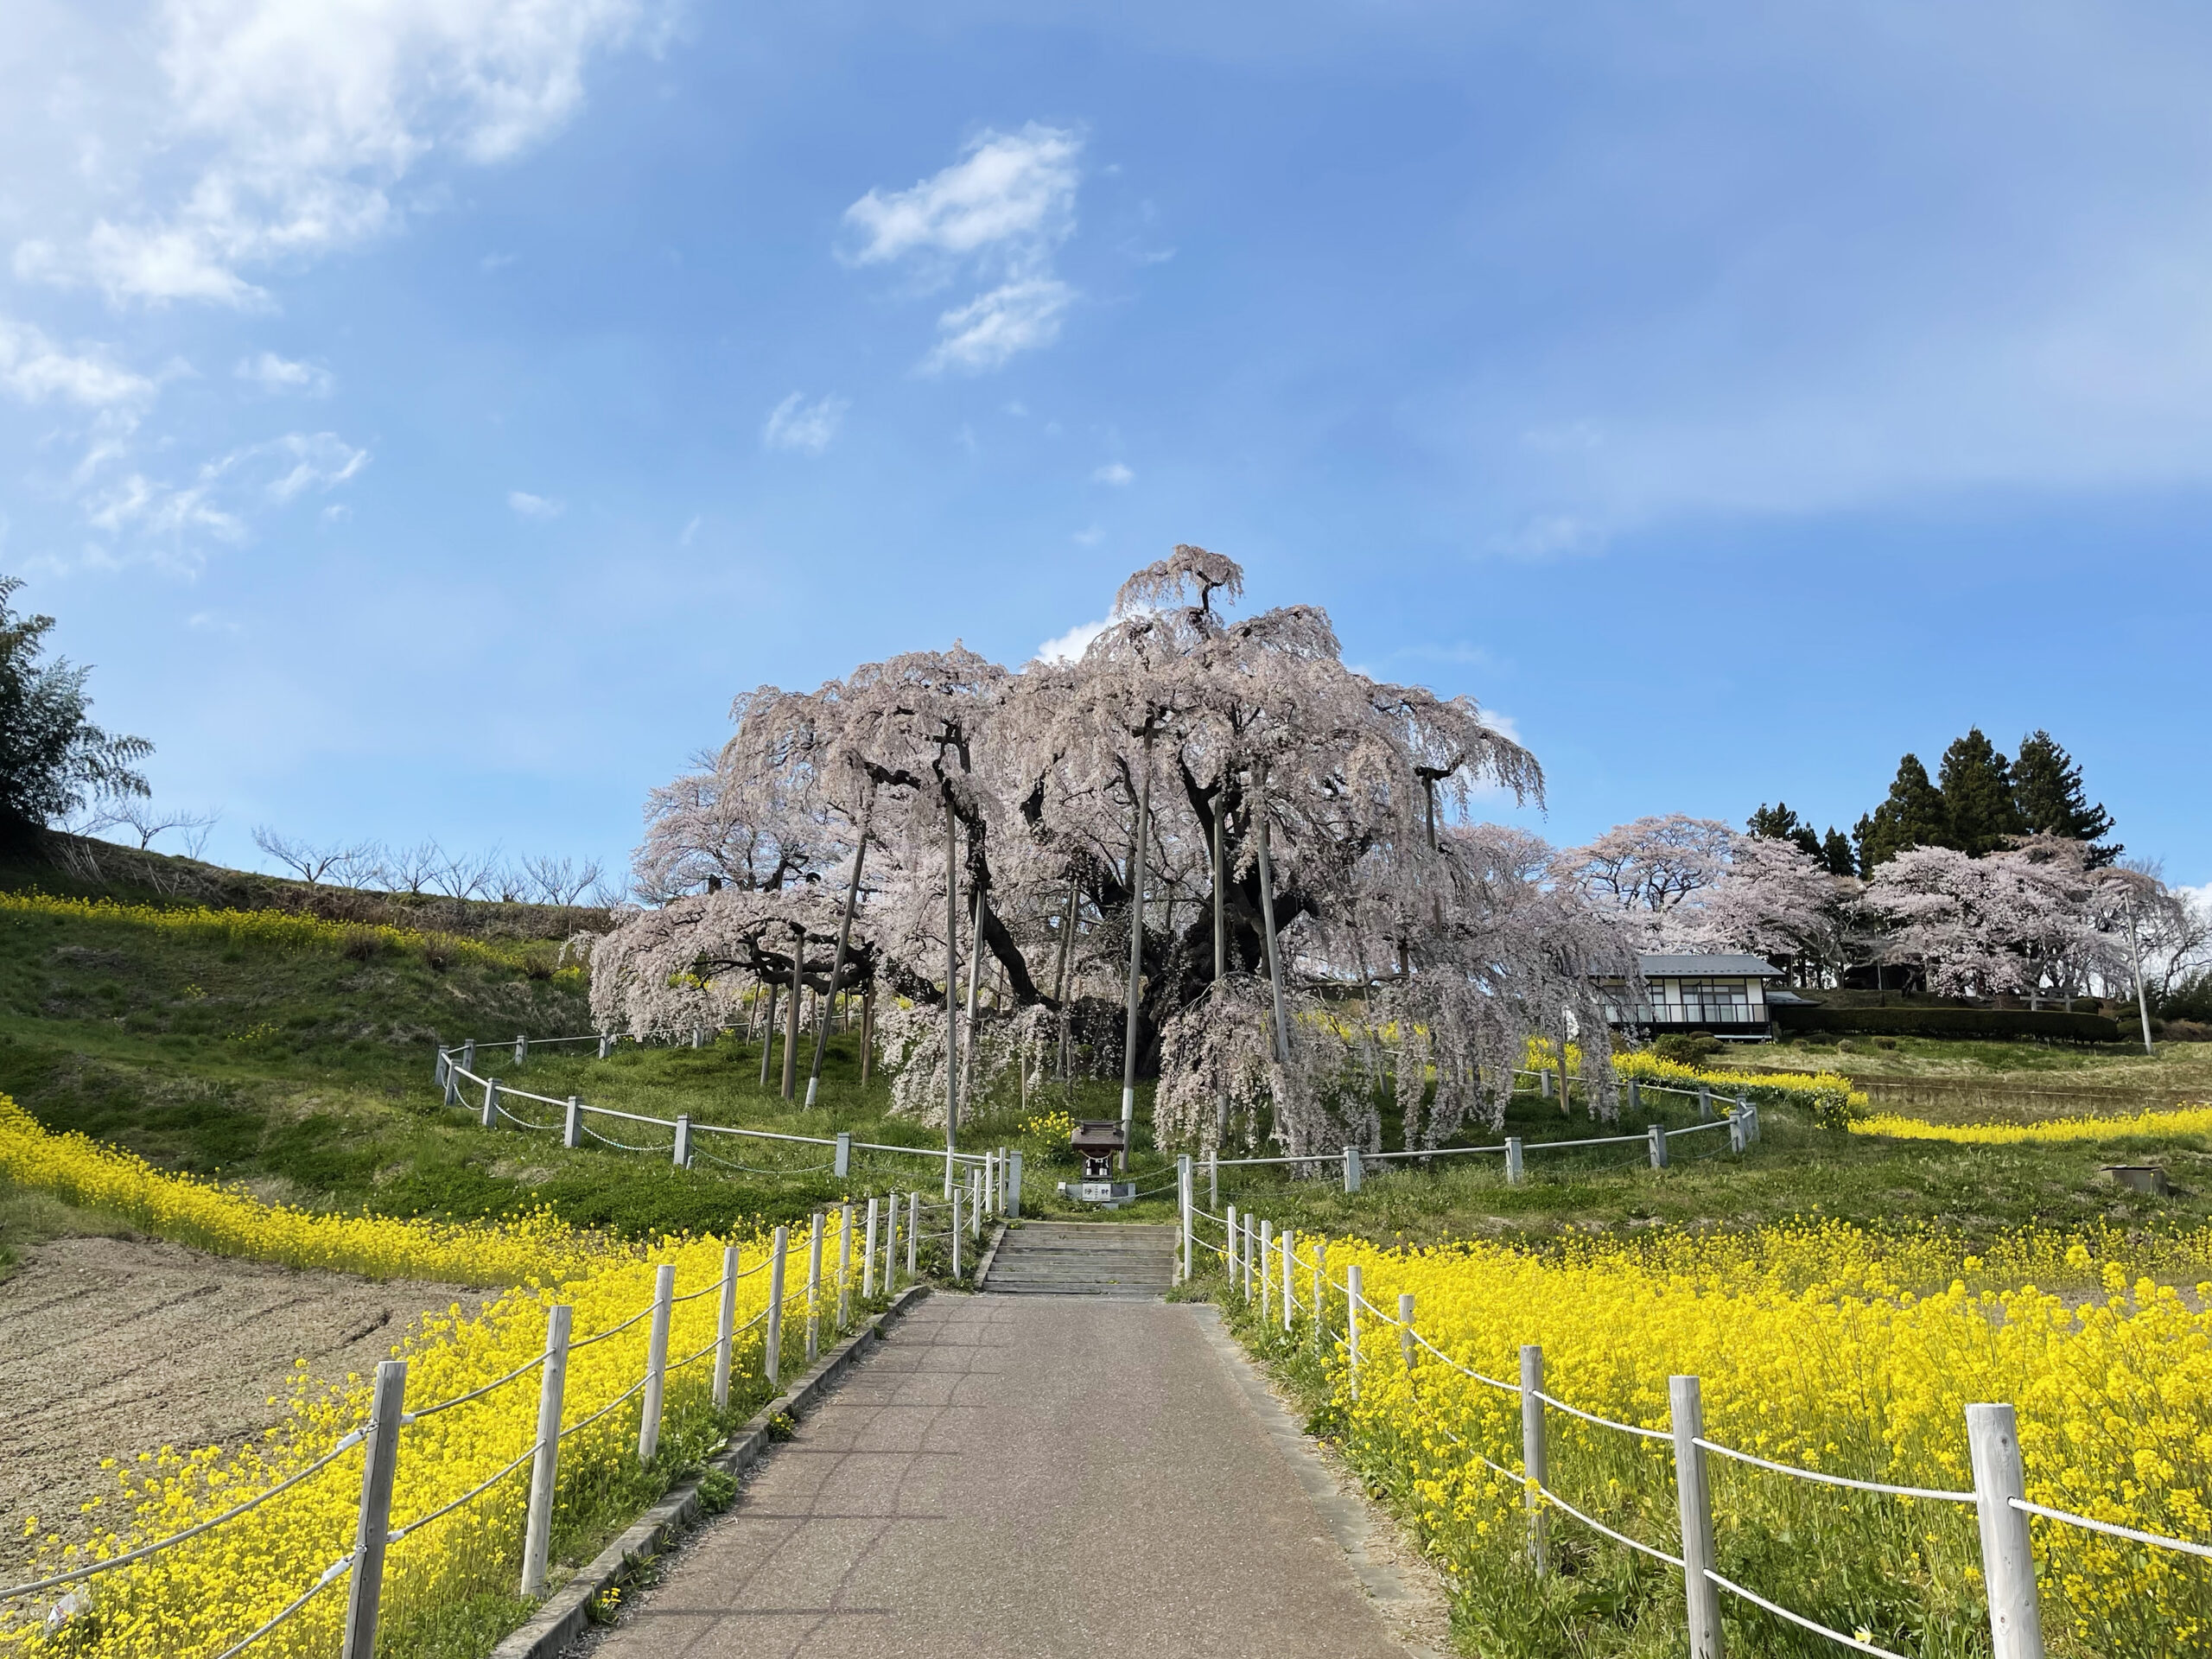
(110, 1347)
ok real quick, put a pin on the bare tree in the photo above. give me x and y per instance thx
(142, 818)
(463, 875)
(314, 863)
(413, 869)
(550, 880)
(196, 834)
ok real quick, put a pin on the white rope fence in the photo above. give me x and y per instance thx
(1265, 1266)
(1738, 1118)
(456, 1067)
(817, 1309)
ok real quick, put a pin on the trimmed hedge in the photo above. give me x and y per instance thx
(2000, 1024)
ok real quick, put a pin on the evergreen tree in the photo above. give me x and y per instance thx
(1778, 823)
(52, 757)
(1836, 853)
(1913, 816)
(2047, 788)
(1977, 802)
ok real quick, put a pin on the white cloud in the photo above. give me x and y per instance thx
(1113, 473)
(1070, 646)
(992, 326)
(223, 495)
(285, 128)
(1090, 536)
(806, 428)
(540, 508)
(1002, 211)
(1012, 189)
(274, 374)
(34, 369)
(1504, 725)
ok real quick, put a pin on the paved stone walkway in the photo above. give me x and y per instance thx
(1013, 1477)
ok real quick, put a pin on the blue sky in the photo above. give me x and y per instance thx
(427, 418)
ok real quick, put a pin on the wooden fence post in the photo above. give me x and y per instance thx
(1693, 1499)
(814, 1285)
(1405, 1329)
(552, 1381)
(1289, 1289)
(1320, 1281)
(1232, 1244)
(490, 1101)
(2008, 1562)
(772, 1358)
(364, 1595)
(726, 1328)
(1658, 1139)
(844, 1163)
(522, 1049)
(844, 1266)
(1352, 1169)
(913, 1229)
(572, 1124)
(1351, 1324)
(1535, 1461)
(682, 1150)
(1266, 1247)
(656, 1361)
(867, 1255)
(1516, 1171)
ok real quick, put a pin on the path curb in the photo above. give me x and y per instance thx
(562, 1618)
(990, 1254)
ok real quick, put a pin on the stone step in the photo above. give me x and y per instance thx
(1085, 1259)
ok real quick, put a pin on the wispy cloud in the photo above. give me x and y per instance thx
(274, 374)
(807, 428)
(1113, 473)
(170, 521)
(34, 369)
(1002, 211)
(289, 127)
(540, 508)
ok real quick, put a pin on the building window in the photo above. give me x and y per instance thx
(1719, 1000)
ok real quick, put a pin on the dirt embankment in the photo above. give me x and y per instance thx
(110, 1347)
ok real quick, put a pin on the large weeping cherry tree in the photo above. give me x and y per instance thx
(1206, 852)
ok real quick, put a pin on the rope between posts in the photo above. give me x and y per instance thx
(529, 1365)
(1850, 1642)
(694, 1295)
(609, 1140)
(1605, 1422)
(1600, 1526)
(2117, 1531)
(1509, 1388)
(522, 1122)
(618, 1400)
(334, 1571)
(352, 1438)
(395, 1535)
(1839, 1480)
(611, 1330)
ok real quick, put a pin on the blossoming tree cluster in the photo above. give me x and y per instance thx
(2036, 917)
(1207, 852)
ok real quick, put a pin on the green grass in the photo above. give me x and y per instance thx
(305, 1072)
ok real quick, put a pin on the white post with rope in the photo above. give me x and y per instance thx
(1351, 1324)
(1658, 1139)
(1352, 1169)
(844, 1164)
(956, 1233)
(1405, 1329)
(1266, 1247)
(1183, 1208)
(1289, 1290)
(1014, 1184)
(2008, 1563)
(572, 1124)
(814, 1286)
(913, 1229)
(364, 1595)
(490, 1101)
(656, 1362)
(1693, 1500)
(867, 1255)
(1516, 1172)
(1228, 1250)
(1320, 1307)
(844, 1267)
(772, 1358)
(552, 1381)
(1535, 1461)
(681, 1152)
(726, 1328)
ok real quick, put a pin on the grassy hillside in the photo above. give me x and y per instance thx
(299, 1062)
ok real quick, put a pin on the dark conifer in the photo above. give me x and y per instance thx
(2047, 789)
(1914, 816)
(1977, 802)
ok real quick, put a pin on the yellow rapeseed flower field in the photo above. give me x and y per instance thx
(285, 929)
(1827, 1347)
(452, 1584)
(2185, 1119)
